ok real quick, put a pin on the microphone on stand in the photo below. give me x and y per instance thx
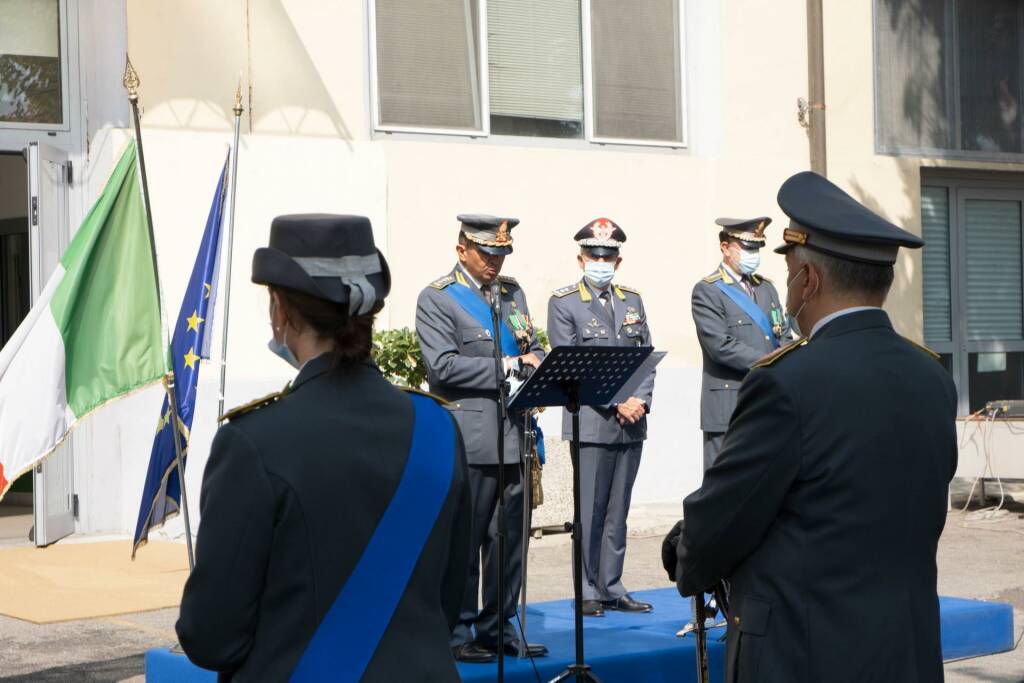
(502, 414)
(496, 297)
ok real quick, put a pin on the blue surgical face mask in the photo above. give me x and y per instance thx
(599, 273)
(280, 349)
(749, 261)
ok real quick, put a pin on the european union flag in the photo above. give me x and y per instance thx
(190, 342)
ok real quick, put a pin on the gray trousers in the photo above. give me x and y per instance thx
(607, 474)
(712, 445)
(483, 486)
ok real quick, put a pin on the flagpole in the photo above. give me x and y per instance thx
(173, 401)
(131, 84)
(231, 243)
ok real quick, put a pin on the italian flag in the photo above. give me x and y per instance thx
(93, 335)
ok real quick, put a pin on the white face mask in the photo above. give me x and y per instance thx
(749, 261)
(789, 307)
(599, 273)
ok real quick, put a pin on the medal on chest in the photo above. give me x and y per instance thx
(776, 320)
(632, 316)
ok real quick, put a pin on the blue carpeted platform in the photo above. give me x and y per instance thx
(643, 647)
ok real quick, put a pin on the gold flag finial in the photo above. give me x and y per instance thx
(130, 80)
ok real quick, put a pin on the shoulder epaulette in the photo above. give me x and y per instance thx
(779, 353)
(564, 291)
(443, 282)
(631, 290)
(923, 348)
(508, 279)
(252, 405)
(758, 278)
(410, 390)
(714, 277)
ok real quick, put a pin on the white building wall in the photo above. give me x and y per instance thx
(307, 145)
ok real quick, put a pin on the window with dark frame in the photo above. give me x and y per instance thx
(973, 277)
(948, 77)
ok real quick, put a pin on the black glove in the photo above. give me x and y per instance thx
(668, 550)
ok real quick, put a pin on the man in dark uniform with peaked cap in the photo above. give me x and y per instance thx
(454, 326)
(594, 311)
(334, 541)
(825, 506)
(738, 318)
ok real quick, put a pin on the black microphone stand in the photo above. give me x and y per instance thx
(499, 374)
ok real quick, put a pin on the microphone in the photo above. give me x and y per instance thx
(496, 297)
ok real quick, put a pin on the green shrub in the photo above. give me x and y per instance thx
(397, 352)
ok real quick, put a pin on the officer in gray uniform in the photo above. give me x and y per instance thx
(454, 326)
(739, 320)
(595, 312)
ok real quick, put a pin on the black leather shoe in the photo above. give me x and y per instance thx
(627, 604)
(514, 649)
(593, 608)
(472, 653)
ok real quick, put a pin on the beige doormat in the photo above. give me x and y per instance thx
(83, 580)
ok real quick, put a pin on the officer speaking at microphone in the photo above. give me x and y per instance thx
(738, 319)
(336, 514)
(595, 312)
(454, 326)
(825, 506)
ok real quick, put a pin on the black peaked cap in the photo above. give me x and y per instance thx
(827, 219)
(327, 256)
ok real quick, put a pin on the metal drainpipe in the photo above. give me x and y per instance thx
(816, 84)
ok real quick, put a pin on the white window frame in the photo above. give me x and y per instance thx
(65, 82)
(484, 85)
(481, 82)
(588, 87)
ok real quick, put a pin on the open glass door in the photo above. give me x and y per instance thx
(48, 180)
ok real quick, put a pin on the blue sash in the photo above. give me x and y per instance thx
(741, 299)
(478, 308)
(348, 636)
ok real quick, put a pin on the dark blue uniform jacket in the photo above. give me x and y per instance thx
(291, 495)
(824, 510)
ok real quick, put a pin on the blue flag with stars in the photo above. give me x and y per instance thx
(190, 342)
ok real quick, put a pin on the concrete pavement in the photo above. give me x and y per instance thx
(979, 557)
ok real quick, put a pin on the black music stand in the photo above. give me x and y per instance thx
(574, 376)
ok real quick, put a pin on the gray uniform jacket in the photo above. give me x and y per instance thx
(459, 354)
(577, 318)
(731, 342)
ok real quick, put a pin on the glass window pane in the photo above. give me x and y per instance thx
(536, 67)
(994, 296)
(988, 33)
(935, 230)
(946, 359)
(427, 64)
(993, 377)
(30, 87)
(914, 111)
(635, 49)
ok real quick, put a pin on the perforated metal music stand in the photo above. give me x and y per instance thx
(574, 376)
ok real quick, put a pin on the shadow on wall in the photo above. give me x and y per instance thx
(906, 287)
(189, 75)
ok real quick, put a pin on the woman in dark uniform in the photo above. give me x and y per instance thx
(335, 514)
